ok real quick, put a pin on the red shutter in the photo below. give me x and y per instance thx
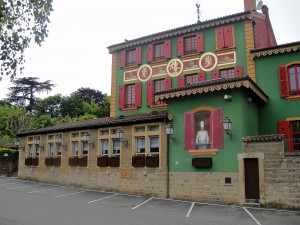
(122, 59)
(138, 94)
(168, 45)
(216, 74)
(168, 83)
(121, 96)
(200, 42)
(283, 81)
(150, 53)
(150, 99)
(217, 128)
(228, 36)
(138, 55)
(283, 128)
(238, 71)
(180, 46)
(189, 131)
(181, 82)
(220, 38)
(201, 76)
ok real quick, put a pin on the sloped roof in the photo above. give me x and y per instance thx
(278, 49)
(153, 116)
(183, 30)
(211, 86)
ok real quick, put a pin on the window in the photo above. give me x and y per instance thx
(190, 44)
(33, 146)
(109, 145)
(131, 57)
(289, 80)
(30, 151)
(50, 149)
(159, 51)
(147, 142)
(156, 86)
(190, 79)
(203, 129)
(228, 72)
(291, 130)
(54, 144)
(79, 147)
(224, 37)
(130, 96)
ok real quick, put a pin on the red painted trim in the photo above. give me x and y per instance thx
(201, 76)
(138, 94)
(150, 53)
(150, 99)
(168, 49)
(122, 59)
(189, 133)
(200, 42)
(180, 46)
(283, 81)
(139, 55)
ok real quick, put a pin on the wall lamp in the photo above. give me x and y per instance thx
(227, 126)
(36, 141)
(169, 132)
(86, 137)
(17, 144)
(119, 135)
(228, 98)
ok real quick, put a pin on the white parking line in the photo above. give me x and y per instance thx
(8, 183)
(141, 203)
(102, 198)
(42, 190)
(190, 210)
(252, 216)
(69, 194)
(17, 187)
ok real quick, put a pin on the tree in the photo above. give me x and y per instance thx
(49, 105)
(88, 95)
(20, 22)
(42, 121)
(25, 89)
(72, 105)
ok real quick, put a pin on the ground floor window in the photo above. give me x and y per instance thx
(108, 142)
(291, 130)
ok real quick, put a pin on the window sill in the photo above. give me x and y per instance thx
(203, 152)
(225, 49)
(190, 55)
(130, 67)
(133, 109)
(293, 98)
(159, 106)
(161, 61)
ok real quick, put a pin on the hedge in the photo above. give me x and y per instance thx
(8, 155)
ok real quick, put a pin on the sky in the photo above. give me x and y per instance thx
(75, 54)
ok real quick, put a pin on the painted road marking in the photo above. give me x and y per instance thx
(42, 190)
(69, 194)
(142, 203)
(103, 198)
(8, 183)
(252, 216)
(17, 187)
(190, 210)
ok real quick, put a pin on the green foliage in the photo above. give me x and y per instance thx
(72, 106)
(42, 121)
(20, 22)
(49, 105)
(86, 117)
(8, 155)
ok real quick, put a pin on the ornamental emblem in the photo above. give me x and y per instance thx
(208, 61)
(174, 67)
(144, 73)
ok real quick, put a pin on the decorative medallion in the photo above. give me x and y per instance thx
(208, 61)
(226, 58)
(174, 67)
(144, 73)
(159, 70)
(130, 75)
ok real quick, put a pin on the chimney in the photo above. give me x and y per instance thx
(250, 5)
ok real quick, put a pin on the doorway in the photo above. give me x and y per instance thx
(251, 178)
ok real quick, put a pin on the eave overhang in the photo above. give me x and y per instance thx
(184, 30)
(275, 50)
(212, 86)
(154, 116)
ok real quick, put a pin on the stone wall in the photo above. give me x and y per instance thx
(281, 174)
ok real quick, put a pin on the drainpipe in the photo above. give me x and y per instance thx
(168, 169)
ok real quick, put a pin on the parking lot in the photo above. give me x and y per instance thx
(32, 203)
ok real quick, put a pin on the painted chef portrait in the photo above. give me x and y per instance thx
(202, 138)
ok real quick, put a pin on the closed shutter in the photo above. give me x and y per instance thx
(200, 42)
(201, 76)
(121, 96)
(150, 53)
(150, 92)
(220, 38)
(180, 46)
(122, 58)
(181, 82)
(138, 55)
(283, 81)
(189, 131)
(168, 83)
(216, 74)
(238, 71)
(283, 128)
(167, 49)
(228, 36)
(138, 94)
(217, 128)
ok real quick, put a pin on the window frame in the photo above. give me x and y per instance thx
(131, 57)
(57, 146)
(111, 137)
(286, 128)
(32, 149)
(285, 82)
(76, 137)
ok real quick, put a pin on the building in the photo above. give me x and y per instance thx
(208, 111)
